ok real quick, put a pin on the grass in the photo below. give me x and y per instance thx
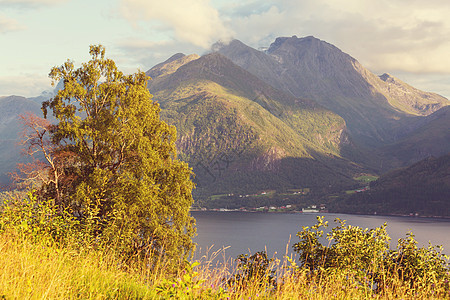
(38, 271)
(215, 197)
(366, 178)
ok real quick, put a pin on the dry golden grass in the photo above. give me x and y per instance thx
(38, 271)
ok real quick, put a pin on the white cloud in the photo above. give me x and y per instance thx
(26, 85)
(408, 35)
(193, 21)
(144, 54)
(8, 25)
(259, 27)
(28, 3)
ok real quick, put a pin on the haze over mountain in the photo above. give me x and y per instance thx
(426, 137)
(10, 153)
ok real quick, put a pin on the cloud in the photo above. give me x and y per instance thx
(9, 25)
(408, 35)
(146, 54)
(194, 21)
(259, 25)
(28, 3)
(26, 85)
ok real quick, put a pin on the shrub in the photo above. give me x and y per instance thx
(255, 269)
(364, 255)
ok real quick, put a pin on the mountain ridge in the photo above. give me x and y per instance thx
(312, 69)
(421, 189)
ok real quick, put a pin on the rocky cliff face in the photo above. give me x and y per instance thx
(409, 99)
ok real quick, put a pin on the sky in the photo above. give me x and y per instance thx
(410, 39)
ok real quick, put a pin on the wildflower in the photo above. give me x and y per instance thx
(173, 284)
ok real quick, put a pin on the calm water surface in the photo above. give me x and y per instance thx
(250, 232)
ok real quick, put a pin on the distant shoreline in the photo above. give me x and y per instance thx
(444, 218)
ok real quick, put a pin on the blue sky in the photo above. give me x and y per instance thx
(409, 39)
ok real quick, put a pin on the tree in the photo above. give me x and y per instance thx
(46, 169)
(121, 173)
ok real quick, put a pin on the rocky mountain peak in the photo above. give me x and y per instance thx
(303, 45)
(388, 78)
(170, 65)
(233, 44)
(409, 99)
(310, 68)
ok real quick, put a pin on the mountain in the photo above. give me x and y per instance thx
(241, 134)
(374, 108)
(428, 136)
(408, 99)
(301, 114)
(171, 65)
(10, 109)
(422, 188)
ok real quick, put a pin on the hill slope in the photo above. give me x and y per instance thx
(422, 188)
(429, 136)
(240, 134)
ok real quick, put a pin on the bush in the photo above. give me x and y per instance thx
(254, 269)
(365, 256)
(39, 221)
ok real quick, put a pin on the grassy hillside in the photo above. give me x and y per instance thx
(36, 269)
(423, 189)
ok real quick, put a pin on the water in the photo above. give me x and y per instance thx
(276, 232)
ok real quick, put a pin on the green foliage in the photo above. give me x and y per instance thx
(37, 271)
(418, 267)
(188, 286)
(254, 269)
(366, 178)
(33, 266)
(116, 165)
(39, 221)
(312, 253)
(364, 254)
